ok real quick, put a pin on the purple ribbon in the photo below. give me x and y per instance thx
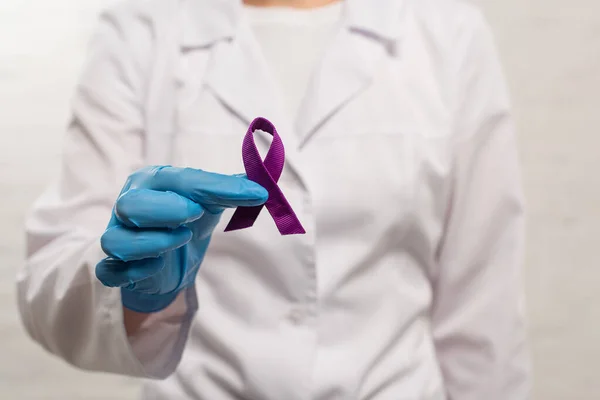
(266, 174)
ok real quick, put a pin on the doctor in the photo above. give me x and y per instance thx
(401, 165)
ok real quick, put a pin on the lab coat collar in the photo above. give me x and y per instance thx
(238, 74)
(207, 21)
(380, 21)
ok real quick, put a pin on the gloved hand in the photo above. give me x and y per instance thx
(160, 230)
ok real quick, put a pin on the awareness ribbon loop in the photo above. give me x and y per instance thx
(266, 173)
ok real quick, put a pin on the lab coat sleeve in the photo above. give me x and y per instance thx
(478, 310)
(62, 304)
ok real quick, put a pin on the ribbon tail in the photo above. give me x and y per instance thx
(243, 217)
(285, 219)
(296, 229)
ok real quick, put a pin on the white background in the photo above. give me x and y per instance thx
(551, 53)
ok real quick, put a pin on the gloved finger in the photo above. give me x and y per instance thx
(210, 189)
(145, 208)
(128, 244)
(117, 273)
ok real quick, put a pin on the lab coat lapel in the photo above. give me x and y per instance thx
(368, 33)
(237, 73)
(239, 76)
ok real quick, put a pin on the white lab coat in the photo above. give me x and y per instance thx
(401, 166)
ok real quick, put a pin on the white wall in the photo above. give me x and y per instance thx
(551, 52)
(42, 45)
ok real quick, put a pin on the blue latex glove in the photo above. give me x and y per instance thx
(160, 229)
